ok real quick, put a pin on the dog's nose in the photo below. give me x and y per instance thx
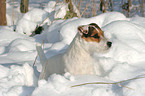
(109, 44)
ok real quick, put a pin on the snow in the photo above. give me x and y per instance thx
(50, 6)
(123, 61)
(61, 10)
(30, 20)
(12, 18)
(17, 77)
(131, 38)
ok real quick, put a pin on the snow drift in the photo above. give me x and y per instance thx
(124, 60)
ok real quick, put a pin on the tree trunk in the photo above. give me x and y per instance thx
(103, 6)
(129, 9)
(111, 4)
(3, 20)
(142, 6)
(24, 6)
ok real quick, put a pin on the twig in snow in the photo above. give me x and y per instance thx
(116, 83)
(13, 16)
(37, 53)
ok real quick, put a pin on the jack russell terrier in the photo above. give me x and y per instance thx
(78, 59)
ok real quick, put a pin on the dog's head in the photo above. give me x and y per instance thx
(93, 38)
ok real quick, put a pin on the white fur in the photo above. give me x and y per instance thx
(76, 60)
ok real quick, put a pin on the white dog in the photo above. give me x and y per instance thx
(78, 58)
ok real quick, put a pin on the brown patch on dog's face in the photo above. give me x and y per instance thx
(91, 32)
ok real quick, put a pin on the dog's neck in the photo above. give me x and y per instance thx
(78, 60)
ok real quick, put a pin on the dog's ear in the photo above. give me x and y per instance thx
(84, 29)
(95, 25)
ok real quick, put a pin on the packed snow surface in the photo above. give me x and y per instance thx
(125, 59)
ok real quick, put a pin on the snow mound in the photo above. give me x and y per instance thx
(138, 20)
(21, 45)
(36, 15)
(58, 85)
(50, 6)
(8, 35)
(16, 46)
(128, 42)
(60, 10)
(17, 77)
(30, 20)
(25, 27)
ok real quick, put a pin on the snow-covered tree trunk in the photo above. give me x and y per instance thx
(24, 6)
(3, 20)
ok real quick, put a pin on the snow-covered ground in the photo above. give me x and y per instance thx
(125, 60)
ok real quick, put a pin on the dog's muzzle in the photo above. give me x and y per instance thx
(109, 44)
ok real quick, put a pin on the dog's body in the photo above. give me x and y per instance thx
(78, 58)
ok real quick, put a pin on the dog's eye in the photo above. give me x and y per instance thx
(96, 36)
(85, 32)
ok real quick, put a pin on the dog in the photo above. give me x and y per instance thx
(78, 58)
